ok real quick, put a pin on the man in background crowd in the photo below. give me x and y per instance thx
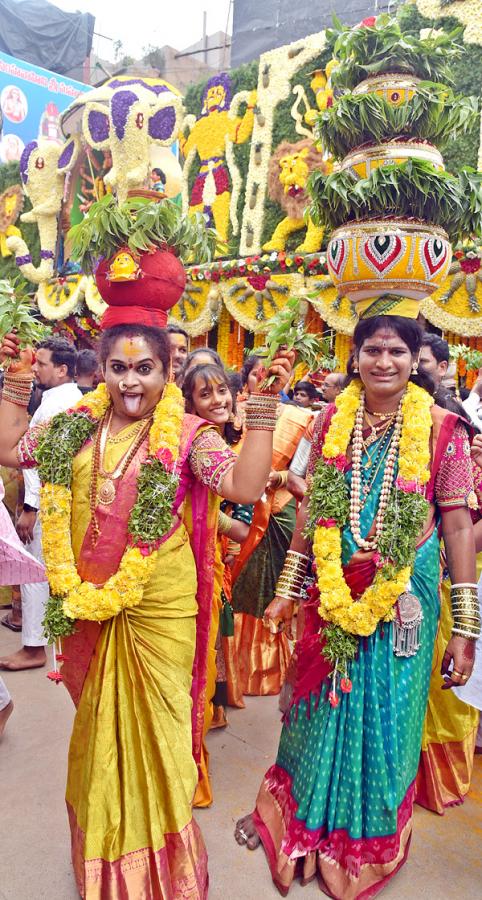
(305, 394)
(179, 341)
(87, 373)
(333, 384)
(54, 370)
(331, 387)
(434, 360)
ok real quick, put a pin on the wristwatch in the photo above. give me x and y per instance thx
(28, 508)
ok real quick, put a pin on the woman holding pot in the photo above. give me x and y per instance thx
(128, 509)
(387, 466)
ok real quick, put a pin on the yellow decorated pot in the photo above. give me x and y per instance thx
(394, 87)
(367, 259)
(363, 160)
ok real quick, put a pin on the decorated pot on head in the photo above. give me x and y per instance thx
(396, 88)
(374, 257)
(140, 288)
(363, 160)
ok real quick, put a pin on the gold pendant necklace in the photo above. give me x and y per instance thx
(107, 491)
(105, 494)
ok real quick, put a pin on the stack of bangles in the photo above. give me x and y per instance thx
(224, 523)
(261, 412)
(282, 480)
(292, 577)
(465, 610)
(17, 388)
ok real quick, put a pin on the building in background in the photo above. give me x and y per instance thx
(207, 57)
(213, 50)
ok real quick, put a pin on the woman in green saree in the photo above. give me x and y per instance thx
(387, 467)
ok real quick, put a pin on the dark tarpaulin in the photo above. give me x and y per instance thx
(40, 33)
(258, 27)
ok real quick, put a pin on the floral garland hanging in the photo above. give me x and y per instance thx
(157, 482)
(405, 513)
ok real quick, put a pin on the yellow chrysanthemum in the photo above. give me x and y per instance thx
(414, 447)
(124, 589)
(167, 422)
(341, 426)
(97, 401)
(361, 617)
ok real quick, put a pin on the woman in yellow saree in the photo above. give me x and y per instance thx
(136, 661)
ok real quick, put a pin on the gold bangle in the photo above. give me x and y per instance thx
(224, 523)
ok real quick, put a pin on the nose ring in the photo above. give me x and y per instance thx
(122, 387)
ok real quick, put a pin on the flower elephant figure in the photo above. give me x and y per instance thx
(43, 167)
(134, 120)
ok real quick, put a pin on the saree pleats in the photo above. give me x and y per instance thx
(262, 657)
(132, 776)
(450, 729)
(338, 802)
(340, 795)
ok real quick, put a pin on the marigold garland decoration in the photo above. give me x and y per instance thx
(157, 483)
(405, 514)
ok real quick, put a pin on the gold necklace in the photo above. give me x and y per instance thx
(107, 491)
(121, 438)
(380, 415)
(373, 436)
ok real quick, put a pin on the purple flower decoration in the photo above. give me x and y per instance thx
(154, 88)
(120, 106)
(98, 123)
(162, 123)
(24, 160)
(66, 155)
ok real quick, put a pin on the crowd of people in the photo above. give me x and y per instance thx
(271, 506)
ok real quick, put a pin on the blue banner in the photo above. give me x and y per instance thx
(31, 100)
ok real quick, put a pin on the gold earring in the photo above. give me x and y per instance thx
(356, 370)
(415, 368)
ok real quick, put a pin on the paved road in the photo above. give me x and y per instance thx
(34, 836)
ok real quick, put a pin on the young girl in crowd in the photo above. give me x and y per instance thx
(207, 394)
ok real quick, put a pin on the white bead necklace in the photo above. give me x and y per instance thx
(387, 481)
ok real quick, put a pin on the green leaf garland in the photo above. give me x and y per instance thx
(414, 189)
(433, 114)
(383, 46)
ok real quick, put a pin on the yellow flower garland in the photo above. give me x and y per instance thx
(83, 600)
(337, 606)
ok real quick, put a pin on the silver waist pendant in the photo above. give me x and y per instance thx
(407, 624)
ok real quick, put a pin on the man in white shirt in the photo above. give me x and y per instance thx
(54, 370)
(473, 403)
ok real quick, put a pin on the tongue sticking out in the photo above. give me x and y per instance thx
(132, 403)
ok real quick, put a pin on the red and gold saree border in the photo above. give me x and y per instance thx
(346, 867)
(177, 870)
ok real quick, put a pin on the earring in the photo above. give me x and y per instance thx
(356, 370)
(415, 368)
